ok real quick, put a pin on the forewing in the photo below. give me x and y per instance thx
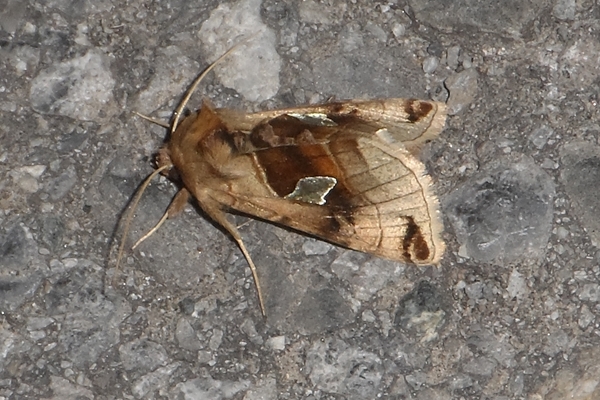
(340, 176)
(407, 121)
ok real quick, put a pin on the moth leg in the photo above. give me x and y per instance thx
(248, 222)
(177, 204)
(219, 217)
(238, 239)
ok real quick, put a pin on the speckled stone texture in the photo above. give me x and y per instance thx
(512, 312)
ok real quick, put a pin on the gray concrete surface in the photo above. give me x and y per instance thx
(511, 313)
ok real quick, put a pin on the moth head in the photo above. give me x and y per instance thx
(163, 159)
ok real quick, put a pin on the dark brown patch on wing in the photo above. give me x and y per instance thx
(331, 225)
(346, 119)
(284, 166)
(336, 108)
(285, 130)
(417, 110)
(414, 239)
(264, 136)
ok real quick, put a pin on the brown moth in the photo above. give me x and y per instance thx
(346, 172)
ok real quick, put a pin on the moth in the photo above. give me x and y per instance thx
(347, 172)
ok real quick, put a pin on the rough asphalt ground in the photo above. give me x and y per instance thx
(511, 313)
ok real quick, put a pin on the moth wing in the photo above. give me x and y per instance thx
(338, 177)
(407, 121)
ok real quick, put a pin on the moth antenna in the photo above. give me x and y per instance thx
(199, 79)
(153, 120)
(134, 205)
(151, 231)
(172, 127)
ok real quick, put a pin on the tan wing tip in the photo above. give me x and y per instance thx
(433, 204)
(434, 125)
(436, 227)
(436, 224)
